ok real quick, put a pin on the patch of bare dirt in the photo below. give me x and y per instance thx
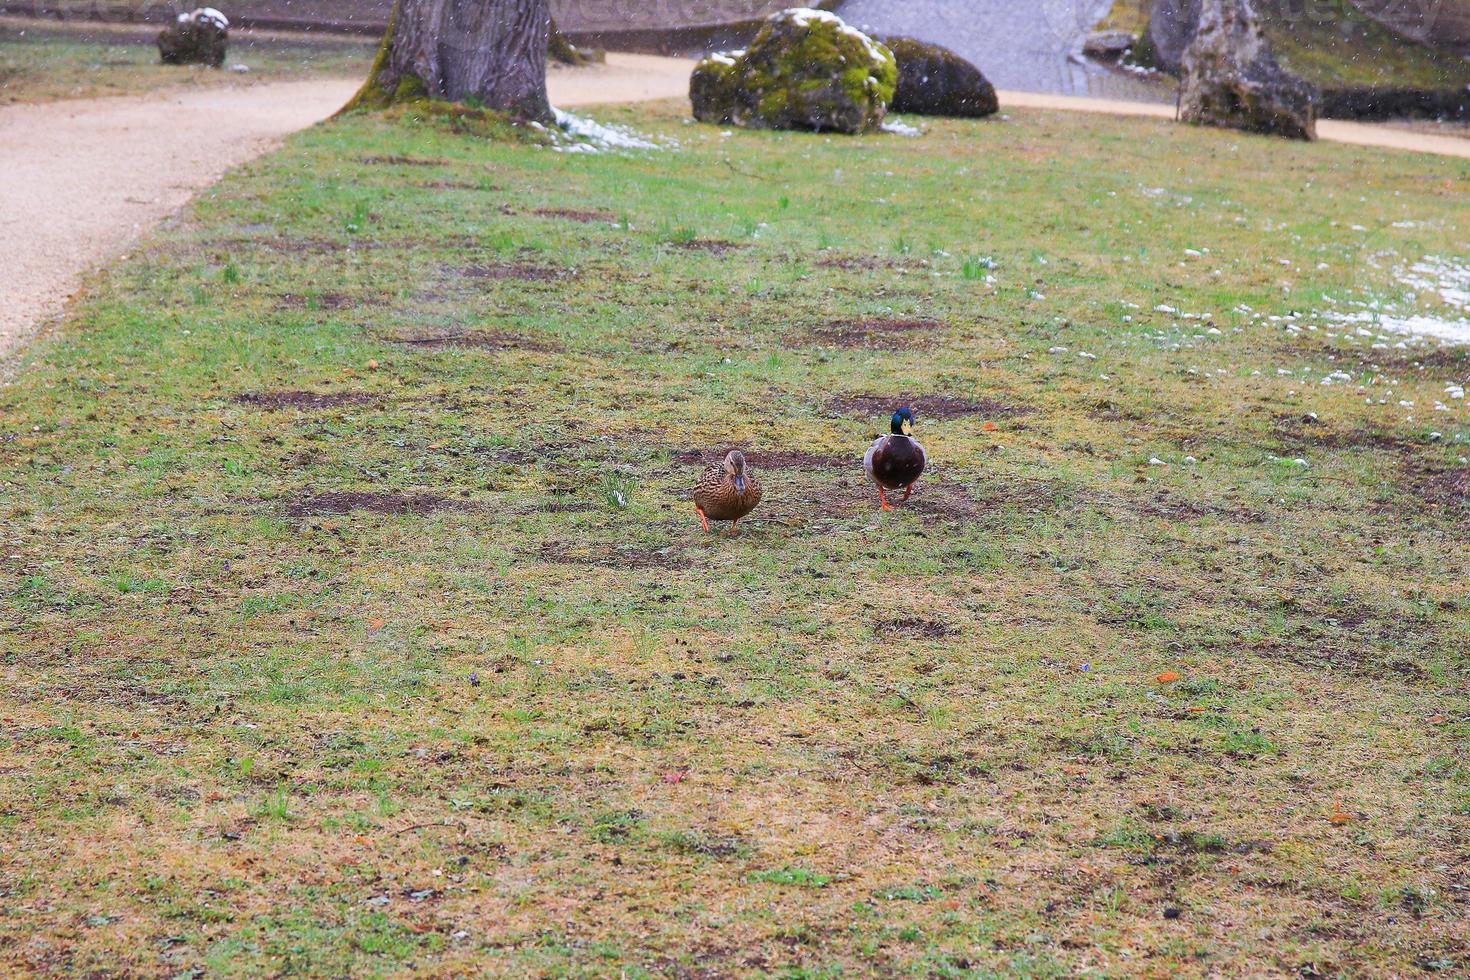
(858, 263)
(523, 271)
(1442, 487)
(402, 161)
(715, 246)
(914, 626)
(567, 507)
(629, 556)
(288, 245)
(347, 501)
(320, 301)
(490, 340)
(1303, 431)
(586, 217)
(306, 401)
(455, 185)
(1165, 506)
(875, 333)
(1107, 410)
(924, 406)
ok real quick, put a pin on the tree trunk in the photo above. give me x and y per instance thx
(491, 53)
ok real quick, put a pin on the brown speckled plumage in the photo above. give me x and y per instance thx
(717, 496)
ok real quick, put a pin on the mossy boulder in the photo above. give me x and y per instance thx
(199, 37)
(806, 69)
(934, 81)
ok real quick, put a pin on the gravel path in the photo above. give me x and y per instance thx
(1023, 45)
(81, 179)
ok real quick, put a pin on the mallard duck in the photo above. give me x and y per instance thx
(727, 492)
(895, 461)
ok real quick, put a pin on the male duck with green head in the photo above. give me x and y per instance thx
(896, 460)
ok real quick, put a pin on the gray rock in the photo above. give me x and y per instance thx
(199, 37)
(1107, 45)
(1171, 27)
(934, 81)
(806, 69)
(1231, 79)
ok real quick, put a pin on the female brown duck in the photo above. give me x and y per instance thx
(727, 492)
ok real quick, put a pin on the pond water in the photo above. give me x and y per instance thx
(1022, 45)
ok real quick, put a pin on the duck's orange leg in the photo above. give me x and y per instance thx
(908, 491)
(734, 528)
(883, 499)
(702, 519)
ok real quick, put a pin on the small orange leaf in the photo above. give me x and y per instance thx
(1167, 677)
(1340, 818)
(375, 624)
(372, 365)
(990, 427)
(1437, 719)
(1196, 711)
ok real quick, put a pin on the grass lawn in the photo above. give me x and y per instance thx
(353, 619)
(41, 64)
(1333, 45)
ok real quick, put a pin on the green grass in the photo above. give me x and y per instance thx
(1334, 45)
(240, 732)
(43, 63)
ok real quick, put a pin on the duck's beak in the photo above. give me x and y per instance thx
(739, 482)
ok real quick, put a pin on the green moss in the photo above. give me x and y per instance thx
(455, 117)
(713, 89)
(801, 72)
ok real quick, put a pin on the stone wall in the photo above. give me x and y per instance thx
(371, 16)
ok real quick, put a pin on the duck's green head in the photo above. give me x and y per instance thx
(903, 422)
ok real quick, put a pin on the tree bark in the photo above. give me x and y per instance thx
(489, 53)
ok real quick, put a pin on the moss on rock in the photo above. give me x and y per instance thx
(806, 69)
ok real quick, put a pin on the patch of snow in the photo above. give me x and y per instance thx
(590, 136)
(900, 128)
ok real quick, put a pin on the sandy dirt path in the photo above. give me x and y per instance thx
(81, 179)
(1359, 134)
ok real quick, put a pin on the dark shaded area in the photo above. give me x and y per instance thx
(1395, 103)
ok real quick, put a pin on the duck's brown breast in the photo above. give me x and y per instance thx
(722, 502)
